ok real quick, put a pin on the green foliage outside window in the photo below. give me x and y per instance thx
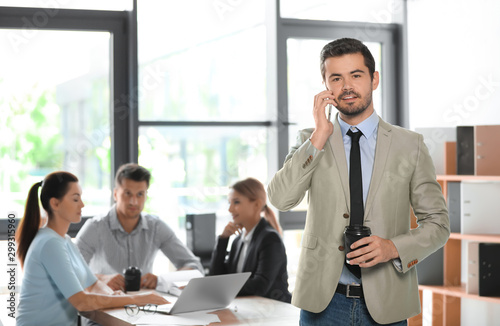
(30, 138)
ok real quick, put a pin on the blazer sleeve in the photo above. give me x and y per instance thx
(289, 185)
(430, 209)
(270, 258)
(218, 263)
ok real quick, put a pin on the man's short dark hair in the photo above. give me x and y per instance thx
(133, 172)
(343, 46)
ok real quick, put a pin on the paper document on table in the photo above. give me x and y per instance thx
(173, 282)
(190, 318)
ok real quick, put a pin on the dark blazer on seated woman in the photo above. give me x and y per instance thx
(265, 258)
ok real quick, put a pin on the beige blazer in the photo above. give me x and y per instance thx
(403, 178)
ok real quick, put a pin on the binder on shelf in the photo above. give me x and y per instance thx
(435, 139)
(430, 270)
(479, 207)
(453, 201)
(487, 142)
(465, 150)
(489, 269)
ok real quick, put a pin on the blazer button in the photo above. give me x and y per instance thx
(341, 248)
(346, 215)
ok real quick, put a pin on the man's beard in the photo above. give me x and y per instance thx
(351, 109)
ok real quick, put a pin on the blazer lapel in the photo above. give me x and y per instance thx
(249, 259)
(384, 137)
(336, 142)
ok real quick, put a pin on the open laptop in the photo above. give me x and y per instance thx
(206, 293)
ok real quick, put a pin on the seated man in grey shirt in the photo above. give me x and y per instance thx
(127, 237)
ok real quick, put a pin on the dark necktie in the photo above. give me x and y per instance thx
(356, 189)
(355, 180)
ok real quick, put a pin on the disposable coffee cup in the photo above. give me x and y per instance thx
(353, 234)
(132, 277)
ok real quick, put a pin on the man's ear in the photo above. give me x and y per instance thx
(376, 80)
(114, 193)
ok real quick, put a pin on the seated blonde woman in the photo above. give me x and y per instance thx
(257, 248)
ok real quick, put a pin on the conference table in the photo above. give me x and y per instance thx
(251, 310)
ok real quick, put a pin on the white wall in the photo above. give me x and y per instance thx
(454, 62)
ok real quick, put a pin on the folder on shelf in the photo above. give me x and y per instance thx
(450, 157)
(487, 155)
(472, 286)
(483, 269)
(465, 150)
(480, 207)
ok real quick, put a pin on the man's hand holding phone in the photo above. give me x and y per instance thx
(324, 127)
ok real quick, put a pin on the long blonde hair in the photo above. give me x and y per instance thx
(253, 189)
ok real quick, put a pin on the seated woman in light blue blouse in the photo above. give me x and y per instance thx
(57, 282)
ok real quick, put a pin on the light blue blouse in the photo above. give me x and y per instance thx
(54, 270)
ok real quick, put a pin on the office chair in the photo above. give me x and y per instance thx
(200, 236)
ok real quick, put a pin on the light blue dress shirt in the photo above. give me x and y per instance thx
(54, 270)
(367, 145)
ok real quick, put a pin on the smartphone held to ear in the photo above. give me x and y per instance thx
(329, 108)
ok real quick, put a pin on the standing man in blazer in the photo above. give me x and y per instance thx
(397, 175)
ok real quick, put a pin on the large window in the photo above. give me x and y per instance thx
(55, 104)
(192, 167)
(203, 121)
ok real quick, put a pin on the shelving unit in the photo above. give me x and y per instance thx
(447, 298)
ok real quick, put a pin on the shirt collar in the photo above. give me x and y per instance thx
(367, 126)
(115, 224)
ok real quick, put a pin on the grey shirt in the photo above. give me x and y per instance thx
(108, 249)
